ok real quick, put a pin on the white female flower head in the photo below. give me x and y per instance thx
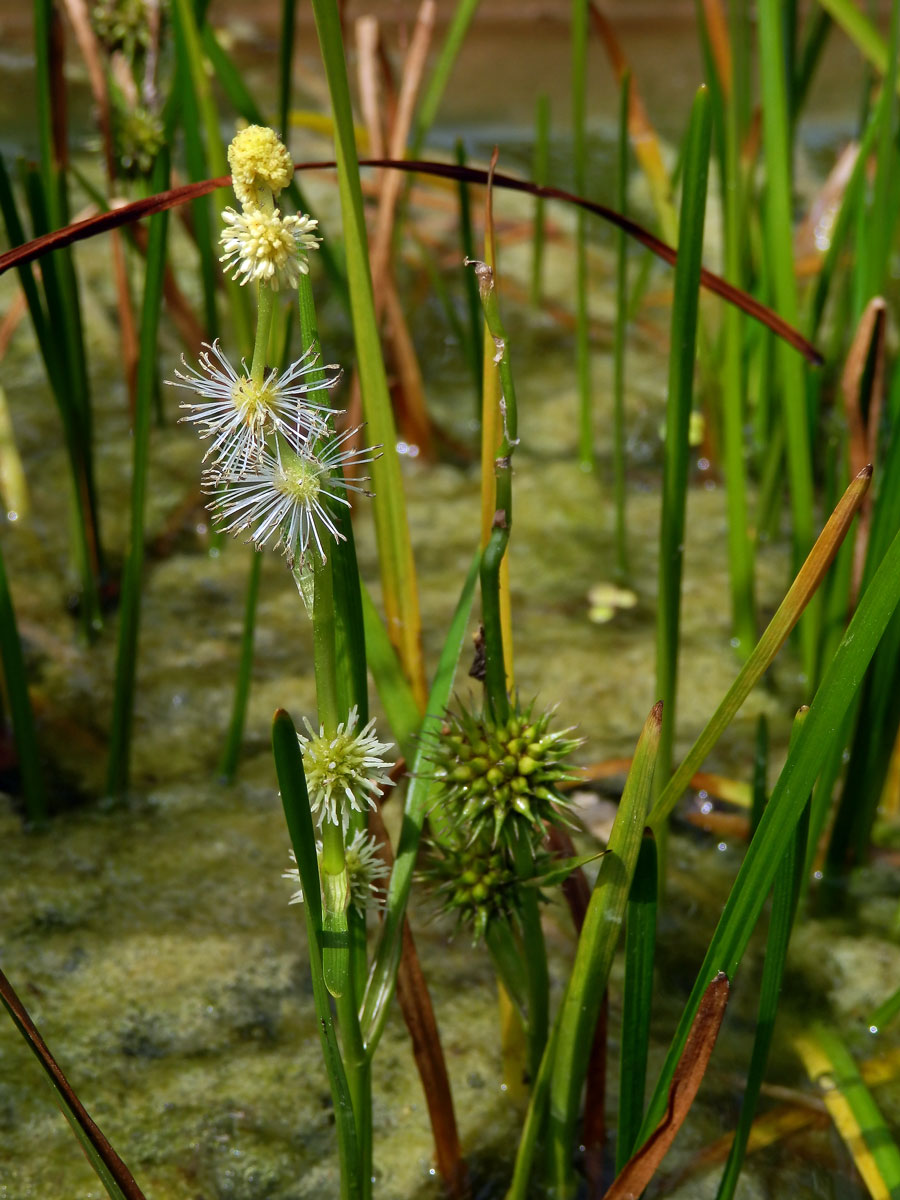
(365, 868)
(238, 413)
(289, 494)
(259, 160)
(343, 771)
(267, 247)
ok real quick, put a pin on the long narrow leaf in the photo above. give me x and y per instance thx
(685, 308)
(857, 1117)
(441, 170)
(396, 695)
(440, 72)
(130, 607)
(808, 579)
(643, 1165)
(16, 684)
(419, 796)
(822, 725)
(294, 798)
(860, 30)
(785, 894)
(640, 946)
(398, 578)
(596, 947)
(779, 248)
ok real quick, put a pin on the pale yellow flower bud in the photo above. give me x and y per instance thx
(258, 160)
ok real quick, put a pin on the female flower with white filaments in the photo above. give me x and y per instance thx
(288, 493)
(239, 413)
(275, 468)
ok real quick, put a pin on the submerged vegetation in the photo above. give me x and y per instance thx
(453, 808)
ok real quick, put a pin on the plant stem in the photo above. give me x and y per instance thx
(265, 312)
(294, 796)
(324, 647)
(496, 690)
(619, 344)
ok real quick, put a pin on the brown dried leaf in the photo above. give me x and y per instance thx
(644, 1163)
(418, 1013)
(103, 222)
(865, 363)
(74, 1109)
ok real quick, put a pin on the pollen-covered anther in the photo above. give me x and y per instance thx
(267, 247)
(258, 160)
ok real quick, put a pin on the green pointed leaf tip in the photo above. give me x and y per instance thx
(295, 800)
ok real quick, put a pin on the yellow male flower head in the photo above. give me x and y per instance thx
(258, 160)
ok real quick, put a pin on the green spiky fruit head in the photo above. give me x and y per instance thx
(500, 775)
(122, 25)
(476, 882)
(139, 137)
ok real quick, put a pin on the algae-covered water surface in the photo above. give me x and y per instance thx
(147, 929)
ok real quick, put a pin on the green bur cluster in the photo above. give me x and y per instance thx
(122, 25)
(501, 782)
(498, 774)
(475, 882)
(138, 135)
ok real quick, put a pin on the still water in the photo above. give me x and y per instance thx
(151, 939)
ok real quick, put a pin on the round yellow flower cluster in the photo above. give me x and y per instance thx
(258, 159)
(260, 243)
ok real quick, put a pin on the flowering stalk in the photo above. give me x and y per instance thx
(265, 310)
(335, 882)
(278, 470)
(231, 751)
(340, 688)
(497, 697)
(350, 647)
(495, 668)
(296, 801)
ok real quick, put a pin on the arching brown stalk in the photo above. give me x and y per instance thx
(135, 211)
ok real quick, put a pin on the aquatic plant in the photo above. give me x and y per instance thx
(485, 785)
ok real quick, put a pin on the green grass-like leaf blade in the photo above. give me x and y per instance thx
(757, 872)
(419, 797)
(295, 800)
(685, 309)
(593, 957)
